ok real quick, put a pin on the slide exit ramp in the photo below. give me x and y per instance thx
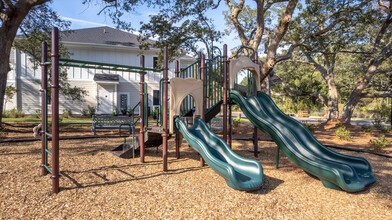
(239, 173)
(335, 170)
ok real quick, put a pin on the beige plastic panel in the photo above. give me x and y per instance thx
(181, 88)
(244, 62)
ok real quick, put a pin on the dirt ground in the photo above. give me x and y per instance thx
(98, 185)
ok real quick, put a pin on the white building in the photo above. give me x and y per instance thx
(101, 44)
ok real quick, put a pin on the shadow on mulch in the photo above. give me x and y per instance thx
(68, 174)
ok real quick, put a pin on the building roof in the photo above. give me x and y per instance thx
(101, 35)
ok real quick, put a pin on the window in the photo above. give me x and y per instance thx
(155, 62)
(155, 97)
(123, 101)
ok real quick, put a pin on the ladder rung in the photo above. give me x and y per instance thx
(48, 151)
(49, 170)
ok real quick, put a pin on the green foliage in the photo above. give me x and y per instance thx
(367, 130)
(310, 127)
(379, 143)
(10, 91)
(236, 122)
(3, 131)
(67, 113)
(342, 133)
(124, 111)
(13, 113)
(115, 112)
(130, 112)
(85, 112)
(155, 113)
(377, 123)
(37, 114)
(91, 110)
(385, 130)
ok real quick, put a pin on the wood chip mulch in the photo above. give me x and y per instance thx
(98, 185)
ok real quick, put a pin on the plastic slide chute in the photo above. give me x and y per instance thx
(239, 173)
(335, 170)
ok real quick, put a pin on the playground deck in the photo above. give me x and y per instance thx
(96, 184)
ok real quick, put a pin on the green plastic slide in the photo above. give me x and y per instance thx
(335, 170)
(240, 173)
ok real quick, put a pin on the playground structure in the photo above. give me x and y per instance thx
(201, 93)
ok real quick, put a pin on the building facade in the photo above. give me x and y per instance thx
(107, 90)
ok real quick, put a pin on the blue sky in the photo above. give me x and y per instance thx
(85, 16)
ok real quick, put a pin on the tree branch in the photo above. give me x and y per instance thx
(320, 32)
(296, 92)
(377, 95)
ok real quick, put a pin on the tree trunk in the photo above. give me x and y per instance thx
(333, 102)
(8, 30)
(355, 95)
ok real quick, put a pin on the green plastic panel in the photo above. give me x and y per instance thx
(240, 173)
(335, 170)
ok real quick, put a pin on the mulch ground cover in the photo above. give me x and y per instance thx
(95, 184)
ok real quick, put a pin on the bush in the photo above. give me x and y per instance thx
(115, 112)
(85, 112)
(236, 122)
(377, 123)
(13, 113)
(310, 127)
(155, 113)
(342, 133)
(3, 131)
(67, 113)
(379, 143)
(367, 130)
(130, 112)
(124, 111)
(385, 130)
(91, 110)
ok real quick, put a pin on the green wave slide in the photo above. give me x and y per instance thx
(239, 173)
(335, 170)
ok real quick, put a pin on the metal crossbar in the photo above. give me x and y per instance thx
(102, 66)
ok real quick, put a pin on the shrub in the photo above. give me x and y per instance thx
(85, 112)
(155, 113)
(91, 110)
(385, 130)
(236, 122)
(14, 113)
(379, 143)
(342, 133)
(130, 112)
(115, 112)
(367, 130)
(67, 113)
(124, 111)
(377, 123)
(310, 127)
(3, 131)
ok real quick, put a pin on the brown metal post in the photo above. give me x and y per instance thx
(178, 143)
(225, 92)
(255, 136)
(164, 106)
(141, 111)
(202, 77)
(55, 110)
(44, 87)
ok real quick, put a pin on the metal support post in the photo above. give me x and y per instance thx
(55, 110)
(164, 106)
(141, 110)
